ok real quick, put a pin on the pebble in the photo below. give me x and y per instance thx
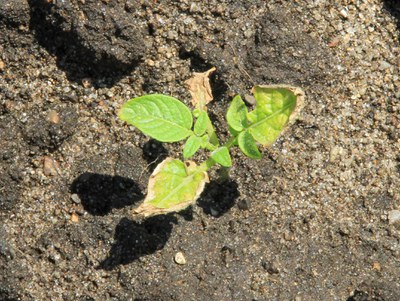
(74, 218)
(376, 266)
(384, 65)
(248, 33)
(250, 99)
(243, 204)
(54, 117)
(86, 82)
(2, 65)
(394, 217)
(344, 13)
(49, 166)
(270, 267)
(214, 212)
(150, 63)
(335, 153)
(75, 198)
(180, 258)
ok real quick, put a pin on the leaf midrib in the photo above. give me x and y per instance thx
(161, 119)
(177, 188)
(268, 117)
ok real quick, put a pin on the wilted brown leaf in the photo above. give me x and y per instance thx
(200, 89)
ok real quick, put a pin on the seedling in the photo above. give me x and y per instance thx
(176, 184)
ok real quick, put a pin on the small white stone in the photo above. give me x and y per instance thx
(394, 217)
(384, 65)
(344, 13)
(180, 258)
(75, 198)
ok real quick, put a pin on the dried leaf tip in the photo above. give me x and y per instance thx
(200, 89)
(173, 186)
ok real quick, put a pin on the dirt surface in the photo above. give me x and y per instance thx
(316, 219)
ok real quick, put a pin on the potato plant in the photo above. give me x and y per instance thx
(176, 184)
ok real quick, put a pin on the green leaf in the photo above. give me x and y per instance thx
(248, 146)
(275, 107)
(237, 114)
(192, 145)
(173, 186)
(202, 123)
(204, 141)
(196, 112)
(161, 117)
(221, 155)
(213, 136)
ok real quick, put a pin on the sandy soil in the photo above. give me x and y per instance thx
(318, 218)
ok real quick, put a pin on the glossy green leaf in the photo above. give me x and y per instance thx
(161, 117)
(275, 107)
(173, 186)
(192, 145)
(248, 145)
(202, 123)
(237, 114)
(221, 156)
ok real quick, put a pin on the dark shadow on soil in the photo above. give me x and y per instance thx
(393, 7)
(375, 290)
(99, 193)
(154, 153)
(197, 63)
(359, 296)
(219, 197)
(77, 55)
(136, 239)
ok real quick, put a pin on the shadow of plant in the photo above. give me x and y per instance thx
(219, 197)
(393, 7)
(154, 153)
(90, 39)
(99, 193)
(136, 239)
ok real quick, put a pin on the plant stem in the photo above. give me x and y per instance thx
(211, 133)
(228, 144)
(206, 165)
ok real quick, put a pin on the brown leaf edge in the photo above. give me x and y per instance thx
(147, 210)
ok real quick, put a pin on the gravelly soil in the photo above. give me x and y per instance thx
(315, 219)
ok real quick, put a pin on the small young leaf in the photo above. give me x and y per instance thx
(202, 123)
(204, 141)
(173, 186)
(161, 117)
(221, 155)
(248, 146)
(276, 106)
(192, 145)
(196, 112)
(237, 114)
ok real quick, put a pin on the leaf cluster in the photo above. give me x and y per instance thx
(175, 184)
